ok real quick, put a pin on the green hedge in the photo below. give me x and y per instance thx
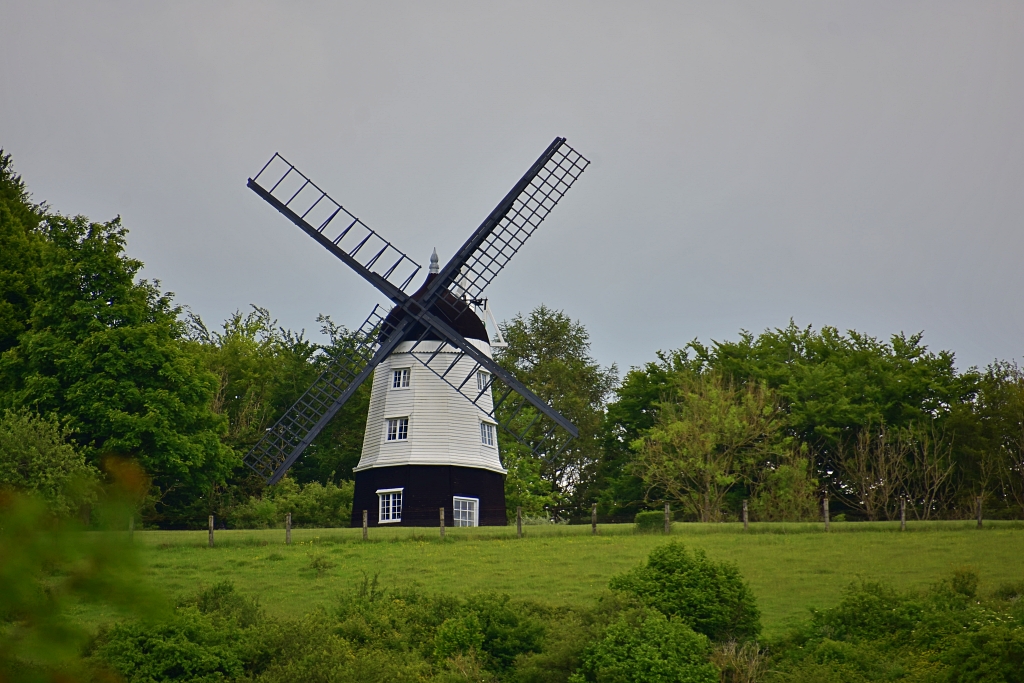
(650, 522)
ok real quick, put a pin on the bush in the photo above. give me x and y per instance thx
(652, 522)
(708, 596)
(313, 505)
(877, 633)
(656, 650)
(36, 458)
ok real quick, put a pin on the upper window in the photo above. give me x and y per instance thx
(390, 506)
(400, 379)
(487, 433)
(465, 511)
(398, 429)
(483, 380)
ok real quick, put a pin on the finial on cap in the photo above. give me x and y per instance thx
(434, 268)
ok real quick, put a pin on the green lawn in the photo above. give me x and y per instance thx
(790, 567)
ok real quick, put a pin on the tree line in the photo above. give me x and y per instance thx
(98, 366)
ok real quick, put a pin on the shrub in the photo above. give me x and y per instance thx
(36, 458)
(650, 522)
(188, 647)
(656, 650)
(708, 596)
(312, 505)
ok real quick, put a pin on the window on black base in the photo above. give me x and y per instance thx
(390, 510)
(466, 511)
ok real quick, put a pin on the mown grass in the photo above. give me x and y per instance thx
(790, 567)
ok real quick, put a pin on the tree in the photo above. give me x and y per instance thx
(707, 432)
(634, 411)
(20, 254)
(105, 351)
(550, 353)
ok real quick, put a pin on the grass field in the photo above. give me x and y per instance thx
(791, 567)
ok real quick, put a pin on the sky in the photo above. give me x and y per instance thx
(854, 164)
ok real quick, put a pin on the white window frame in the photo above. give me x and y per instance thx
(401, 376)
(476, 510)
(380, 505)
(397, 423)
(488, 434)
(482, 378)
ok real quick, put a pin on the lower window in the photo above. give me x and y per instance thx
(465, 511)
(390, 506)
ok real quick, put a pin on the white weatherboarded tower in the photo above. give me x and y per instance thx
(426, 447)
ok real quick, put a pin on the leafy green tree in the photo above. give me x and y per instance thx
(707, 434)
(634, 411)
(20, 253)
(710, 597)
(550, 353)
(36, 457)
(105, 351)
(997, 461)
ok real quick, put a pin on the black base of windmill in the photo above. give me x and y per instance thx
(426, 489)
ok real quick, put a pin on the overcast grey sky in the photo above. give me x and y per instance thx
(855, 164)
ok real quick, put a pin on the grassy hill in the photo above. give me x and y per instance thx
(790, 567)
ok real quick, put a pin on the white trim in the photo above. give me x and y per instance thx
(407, 377)
(398, 430)
(492, 432)
(390, 493)
(476, 510)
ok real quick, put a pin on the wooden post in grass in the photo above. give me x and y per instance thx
(903, 514)
(668, 519)
(746, 519)
(977, 510)
(288, 529)
(131, 529)
(593, 519)
(211, 531)
(519, 522)
(365, 517)
(824, 509)
(442, 521)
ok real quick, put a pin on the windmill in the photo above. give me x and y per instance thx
(437, 397)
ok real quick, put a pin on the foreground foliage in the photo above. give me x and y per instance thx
(875, 633)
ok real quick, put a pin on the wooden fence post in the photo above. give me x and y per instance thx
(519, 521)
(977, 510)
(365, 518)
(668, 519)
(746, 519)
(288, 529)
(593, 519)
(442, 521)
(824, 509)
(211, 531)
(903, 514)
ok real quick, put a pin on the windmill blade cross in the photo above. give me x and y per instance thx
(391, 271)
